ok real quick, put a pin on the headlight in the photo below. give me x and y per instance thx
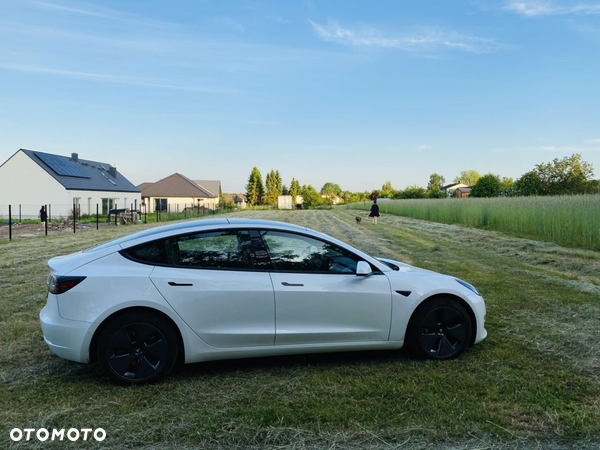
(468, 286)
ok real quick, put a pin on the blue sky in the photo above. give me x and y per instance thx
(353, 92)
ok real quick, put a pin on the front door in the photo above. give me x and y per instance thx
(319, 298)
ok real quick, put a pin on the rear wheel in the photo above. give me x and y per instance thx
(138, 348)
(439, 329)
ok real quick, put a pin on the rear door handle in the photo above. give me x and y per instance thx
(285, 283)
(172, 283)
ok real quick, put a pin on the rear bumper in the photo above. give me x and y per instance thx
(68, 339)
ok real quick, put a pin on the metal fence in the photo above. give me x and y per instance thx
(60, 217)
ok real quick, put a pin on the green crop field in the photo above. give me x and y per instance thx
(533, 383)
(565, 220)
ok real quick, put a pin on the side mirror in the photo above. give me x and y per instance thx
(363, 269)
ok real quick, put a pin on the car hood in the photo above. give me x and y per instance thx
(405, 268)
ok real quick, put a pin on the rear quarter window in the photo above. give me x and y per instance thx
(153, 252)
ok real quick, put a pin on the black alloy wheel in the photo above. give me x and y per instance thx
(137, 348)
(440, 329)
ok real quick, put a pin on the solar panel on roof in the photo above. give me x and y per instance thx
(63, 165)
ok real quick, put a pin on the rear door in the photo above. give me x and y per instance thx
(220, 287)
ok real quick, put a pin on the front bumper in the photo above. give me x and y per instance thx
(68, 339)
(478, 305)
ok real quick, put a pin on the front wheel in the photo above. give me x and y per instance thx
(439, 329)
(137, 348)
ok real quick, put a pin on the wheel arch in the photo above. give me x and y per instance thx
(460, 301)
(107, 320)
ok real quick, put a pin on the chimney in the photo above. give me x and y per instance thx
(74, 157)
(113, 171)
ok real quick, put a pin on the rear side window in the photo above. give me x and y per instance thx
(228, 249)
(154, 253)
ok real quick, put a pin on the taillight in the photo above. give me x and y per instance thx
(60, 285)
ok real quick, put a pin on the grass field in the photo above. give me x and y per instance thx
(534, 383)
(565, 220)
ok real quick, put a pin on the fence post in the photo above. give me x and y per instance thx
(74, 216)
(131, 210)
(145, 213)
(9, 223)
(49, 212)
(20, 221)
(46, 223)
(97, 218)
(115, 209)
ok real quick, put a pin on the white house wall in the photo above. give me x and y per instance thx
(180, 203)
(23, 182)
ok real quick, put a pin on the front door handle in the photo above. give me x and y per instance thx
(285, 283)
(172, 283)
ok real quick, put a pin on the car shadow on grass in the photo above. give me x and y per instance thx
(291, 362)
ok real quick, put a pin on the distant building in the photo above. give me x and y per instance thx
(177, 192)
(31, 179)
(238, 199)
(285, 202)
(463, 192)
(459, 190)
(335, 199)
(212, 186)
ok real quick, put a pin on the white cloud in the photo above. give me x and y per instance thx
(106, 78)
(426, 40)
(424, 148)
(546, 8)
(589, 145)
(104, 13)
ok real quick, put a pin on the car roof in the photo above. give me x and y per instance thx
(198, 224)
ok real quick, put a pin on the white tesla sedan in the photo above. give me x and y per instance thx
(235, 288)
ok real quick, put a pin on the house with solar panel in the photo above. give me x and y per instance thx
(31, 179)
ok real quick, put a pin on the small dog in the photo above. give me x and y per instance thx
(358, 219)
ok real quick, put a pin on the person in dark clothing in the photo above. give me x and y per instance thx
(42, 215)
(374, 211)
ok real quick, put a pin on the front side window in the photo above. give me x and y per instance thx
(298, 253)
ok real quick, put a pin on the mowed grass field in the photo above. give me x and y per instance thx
(534, 383)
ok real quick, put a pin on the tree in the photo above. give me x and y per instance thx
(530, 183)
(468, 177)
(413, 192)
(507, 187)
(488, 185)
(274, 187)
(569, 175)
(434, 187)
(331, 189)
(294, 190)
(311, 196)
(278, 183)
(387, 190)
(255, 189)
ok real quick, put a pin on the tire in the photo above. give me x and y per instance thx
(138, 348)
(439, 329)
